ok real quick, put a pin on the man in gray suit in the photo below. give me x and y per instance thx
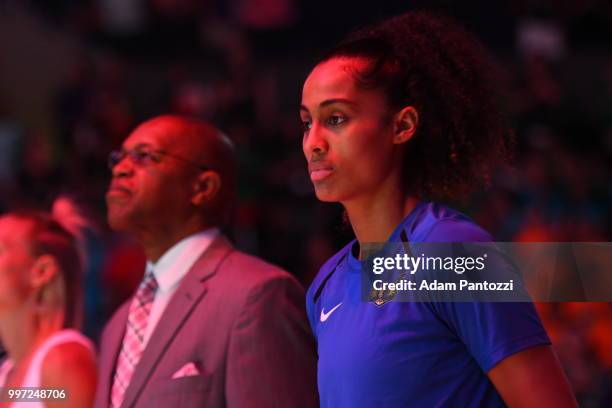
(209, 326)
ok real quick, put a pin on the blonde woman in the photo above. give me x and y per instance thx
(40, 309)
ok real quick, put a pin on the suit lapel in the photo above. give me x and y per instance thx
(180, 306)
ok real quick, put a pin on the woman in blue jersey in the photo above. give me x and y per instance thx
(399, 114)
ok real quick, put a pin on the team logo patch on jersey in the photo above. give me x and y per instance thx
(380, 297)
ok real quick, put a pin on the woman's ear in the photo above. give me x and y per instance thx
(206, 187)
(44, 269)
(405, 124)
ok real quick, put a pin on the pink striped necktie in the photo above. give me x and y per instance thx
(133, 341)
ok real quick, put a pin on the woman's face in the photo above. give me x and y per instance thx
(15, 263)
(348, 133)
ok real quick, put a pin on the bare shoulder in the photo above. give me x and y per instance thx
(68, 355)
(71, 366)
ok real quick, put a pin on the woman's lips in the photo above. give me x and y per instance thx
(320, 174)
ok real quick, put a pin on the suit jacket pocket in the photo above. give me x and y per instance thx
(190, 391)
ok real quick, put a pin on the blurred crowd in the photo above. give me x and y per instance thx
(77, 76)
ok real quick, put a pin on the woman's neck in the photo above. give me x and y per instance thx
(375, 220)
(21, 332)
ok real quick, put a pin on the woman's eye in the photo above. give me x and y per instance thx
(306, 125)
(336, 120)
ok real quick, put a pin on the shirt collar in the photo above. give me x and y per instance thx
(176, 261)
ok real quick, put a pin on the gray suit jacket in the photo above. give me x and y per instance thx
(241, 321)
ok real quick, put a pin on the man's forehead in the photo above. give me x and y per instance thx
(157, 135)
(190, 139)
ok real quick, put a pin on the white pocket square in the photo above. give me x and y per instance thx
(187, 370)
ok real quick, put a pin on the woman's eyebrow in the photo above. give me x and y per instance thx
(331, 102)
(336, 100)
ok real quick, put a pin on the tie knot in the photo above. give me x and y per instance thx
(149, 283)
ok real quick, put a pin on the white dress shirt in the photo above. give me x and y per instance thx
(170, 269)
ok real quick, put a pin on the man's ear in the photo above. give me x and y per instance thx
(206, 187)
(405, 124)
(44, 269)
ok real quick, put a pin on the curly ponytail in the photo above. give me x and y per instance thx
(431, 63)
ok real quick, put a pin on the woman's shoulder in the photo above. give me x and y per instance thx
(435, 222)
(68, 338)
(71, 365)
(65, 357)
(67, 348)
(328, 267)
(64, 354)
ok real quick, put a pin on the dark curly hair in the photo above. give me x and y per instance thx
(431, 63)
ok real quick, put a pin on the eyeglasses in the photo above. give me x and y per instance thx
(142, 156)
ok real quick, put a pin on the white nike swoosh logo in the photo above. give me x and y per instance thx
(325, 316)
